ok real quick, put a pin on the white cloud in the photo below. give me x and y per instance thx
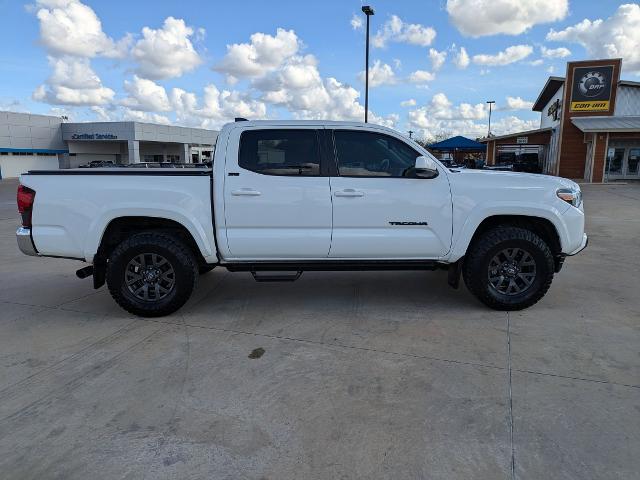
(12, 105)
(428, 127)
(146, 95)
(379, 74)
(421, 76)
(299, 87)
(114, 113)
(215, 108)
(148, 117)
(461, 58)
(356, 22)
(166, 52)
(561, 52)
(551, 69)
(511, 54)
(441, 117)
(69, 27)
(616, 37)
(441, 108)
(395, 30)
(437, 58)
(476, 18)
(536, 63)
(512, 124)
(408, 103)
(265, 53)
(73, 82)
(102, 114)
(517, 103)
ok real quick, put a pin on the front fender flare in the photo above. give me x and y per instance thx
(484, 211)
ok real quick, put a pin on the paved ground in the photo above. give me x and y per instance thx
(364, 375)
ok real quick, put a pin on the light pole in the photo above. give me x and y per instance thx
(368, 11)
(491, 103)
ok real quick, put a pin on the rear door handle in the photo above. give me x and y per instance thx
(247, 192)
(349, 192)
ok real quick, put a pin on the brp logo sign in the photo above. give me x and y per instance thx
(592, 84)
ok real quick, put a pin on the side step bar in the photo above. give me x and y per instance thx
(335, 265)
(275, 276)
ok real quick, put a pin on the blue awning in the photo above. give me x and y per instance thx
(458, 143)
(33, 150)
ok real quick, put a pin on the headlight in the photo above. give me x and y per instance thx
(574, 197)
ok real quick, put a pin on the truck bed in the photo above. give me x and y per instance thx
(73, 208)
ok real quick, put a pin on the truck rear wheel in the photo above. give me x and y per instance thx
(151, 274)
(508, 268)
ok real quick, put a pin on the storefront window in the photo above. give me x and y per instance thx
(614, 161)
(632, 163)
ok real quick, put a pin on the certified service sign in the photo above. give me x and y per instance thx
(591, 90)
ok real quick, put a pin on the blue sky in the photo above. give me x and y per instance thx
(176, 61)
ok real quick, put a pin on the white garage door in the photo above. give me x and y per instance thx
(12, 166)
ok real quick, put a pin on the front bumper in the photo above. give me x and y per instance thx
(25, 242)
(583, 245)
(559, 260)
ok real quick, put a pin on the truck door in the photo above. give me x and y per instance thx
(277, 199)
(381, 209)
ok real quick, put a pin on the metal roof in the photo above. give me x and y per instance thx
(629, 83)
(607, 124)
(517, 134)
(457, 143)
(549, 90)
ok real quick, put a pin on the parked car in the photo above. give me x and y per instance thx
(98, 164)
(451, 164)
(284, 197)
(499, 168)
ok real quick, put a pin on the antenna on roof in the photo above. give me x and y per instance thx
(240, 119)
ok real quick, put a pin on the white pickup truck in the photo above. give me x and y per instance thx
(283, 197)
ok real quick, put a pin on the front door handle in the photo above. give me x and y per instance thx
(247, 192)
(349, 192)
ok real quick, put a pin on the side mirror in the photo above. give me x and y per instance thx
(426, 167)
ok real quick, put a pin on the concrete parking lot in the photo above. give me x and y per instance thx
(364, 375)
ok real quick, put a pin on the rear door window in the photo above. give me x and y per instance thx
(280, 152)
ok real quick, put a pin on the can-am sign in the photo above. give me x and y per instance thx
(94, 136)
(591, 89)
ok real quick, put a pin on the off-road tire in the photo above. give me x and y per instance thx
(475, 270)
(180, 257)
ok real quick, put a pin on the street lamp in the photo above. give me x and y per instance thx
(491, 103)
(368, 11)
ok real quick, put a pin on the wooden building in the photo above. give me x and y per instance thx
(589, 126)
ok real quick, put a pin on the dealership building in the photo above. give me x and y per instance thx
(589, 126)
(37, 142)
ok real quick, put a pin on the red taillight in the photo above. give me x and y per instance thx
(25, 204)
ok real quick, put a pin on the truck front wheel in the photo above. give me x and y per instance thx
(151, 274)
(508, 268)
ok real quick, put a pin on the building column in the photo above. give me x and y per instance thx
(185, 156)
(63, 160)
(491, 153)
(134, 151)
(600, 150)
